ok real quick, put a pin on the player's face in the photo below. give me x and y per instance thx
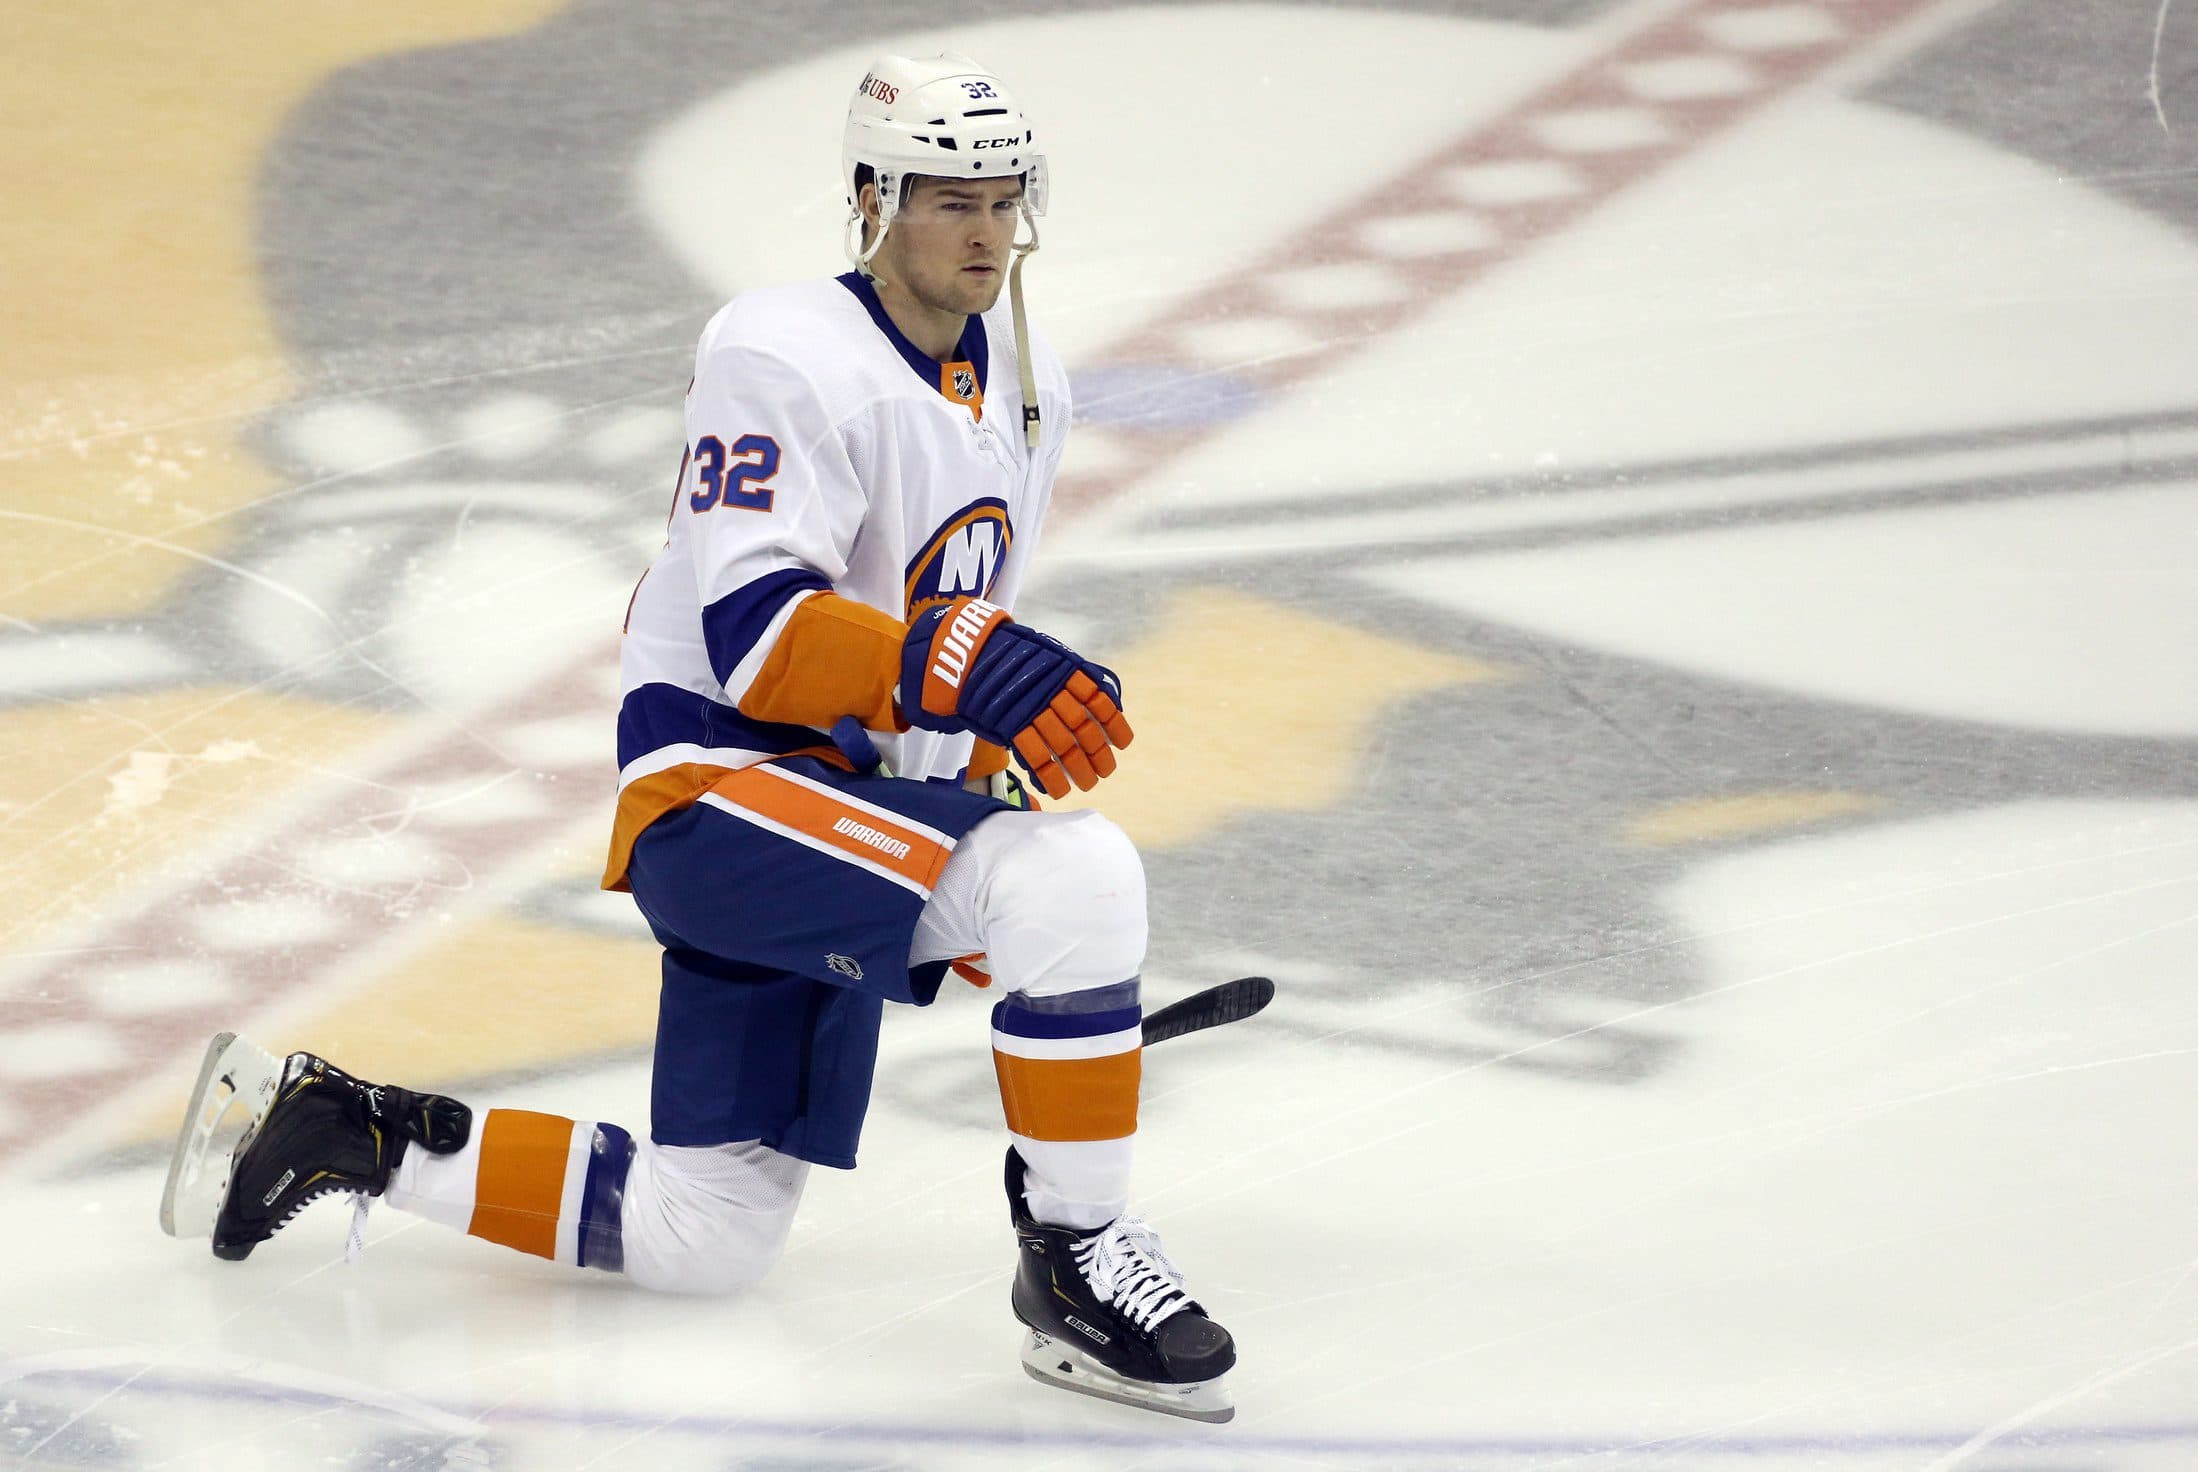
(949, 242)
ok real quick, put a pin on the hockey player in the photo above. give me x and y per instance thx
(822, 687)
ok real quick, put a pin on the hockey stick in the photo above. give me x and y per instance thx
(1232, 1001)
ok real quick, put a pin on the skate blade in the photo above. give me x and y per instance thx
(236, 1086)
(1052, 1361)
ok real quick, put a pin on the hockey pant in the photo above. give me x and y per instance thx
(1055, 900)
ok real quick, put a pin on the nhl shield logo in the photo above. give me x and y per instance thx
(965, 383)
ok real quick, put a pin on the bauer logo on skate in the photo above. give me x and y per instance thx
(962, 558)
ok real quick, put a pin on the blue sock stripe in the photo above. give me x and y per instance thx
(603, 1200)
(1016, 1015)
(1110, 998)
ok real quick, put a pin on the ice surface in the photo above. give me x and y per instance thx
(1688, 692)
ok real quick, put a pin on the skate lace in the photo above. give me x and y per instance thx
(354, 1242)
(1127, 1269)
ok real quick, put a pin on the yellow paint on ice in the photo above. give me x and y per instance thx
(96, 793)
(1245, 706)
(506, 993)
(503, 995)
(1710, 818)
(131, 137)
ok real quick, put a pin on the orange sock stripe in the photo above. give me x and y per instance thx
(521, 1180)
(1070, 1098)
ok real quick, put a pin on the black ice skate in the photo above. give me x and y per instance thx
(313, 1130)
(1109, 1316)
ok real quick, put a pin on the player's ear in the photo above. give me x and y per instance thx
(866, 200)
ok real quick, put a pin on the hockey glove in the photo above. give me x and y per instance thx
(967, 666)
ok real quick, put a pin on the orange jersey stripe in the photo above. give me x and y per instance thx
(521, 1180)
(644, 800)
(865, 832)
(1070, 1098)
(834, 658)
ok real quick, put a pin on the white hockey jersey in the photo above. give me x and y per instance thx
(826, 455)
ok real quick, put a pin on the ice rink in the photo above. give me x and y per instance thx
(1653, 550)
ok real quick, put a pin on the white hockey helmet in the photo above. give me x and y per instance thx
(945, 116)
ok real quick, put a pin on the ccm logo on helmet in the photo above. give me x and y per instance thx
(882, 91)
(996, 143)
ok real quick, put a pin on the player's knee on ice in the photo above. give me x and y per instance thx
(709, 1219)
(1059, 900)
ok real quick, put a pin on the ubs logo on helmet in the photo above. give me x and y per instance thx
(962, 558)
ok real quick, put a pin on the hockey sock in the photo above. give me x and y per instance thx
(1068, 1066)
(539, 1183)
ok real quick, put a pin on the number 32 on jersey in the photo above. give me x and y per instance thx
(739, 478)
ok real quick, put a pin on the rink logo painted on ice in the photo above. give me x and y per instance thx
(962, 559)
(479, 472)
(884, 843)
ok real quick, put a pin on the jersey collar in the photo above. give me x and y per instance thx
(973, 348)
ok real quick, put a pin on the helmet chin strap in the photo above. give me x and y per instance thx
(888, 206)
(1023, 253)
(857, 253)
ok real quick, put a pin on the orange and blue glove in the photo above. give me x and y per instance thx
(967, 666)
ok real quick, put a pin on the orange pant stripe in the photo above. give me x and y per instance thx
(856, 830)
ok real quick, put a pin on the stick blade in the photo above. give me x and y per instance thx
(1231, 1001)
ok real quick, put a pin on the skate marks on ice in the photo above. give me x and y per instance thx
(1409, 778)
(1947, 1082)
(145, 340)
(257, 1419)
(509, 423)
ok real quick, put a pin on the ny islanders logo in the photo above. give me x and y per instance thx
(962, 558)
